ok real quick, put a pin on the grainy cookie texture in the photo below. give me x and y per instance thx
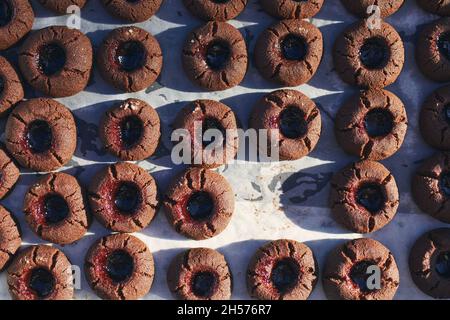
(41, 134)
(429, 263)
(200, 274)
(123, 197)
(11, 90)
(56, 61)
(372, 125)
(215, 56)
(55, 210)
(440, 7)
(199, 203)
(361, 8)
(292, 9)
(10, 239)
(131, 130)
(289, 52)
(134, 10)
(9, 174)
(215, 10)
(293, 122)
(431, 186)
(61, 6)
(16, 20)
(349, 266)
(198, 119)
(119, 267)
(130, 59)
(282, 270)
(40, 273)
(364, 196)
(369, 57)
(435, 119)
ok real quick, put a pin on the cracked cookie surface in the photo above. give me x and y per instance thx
(372, 125)
(200, 274)
(9, 174)
(40, 273)
(56, 61)
(61, 6)
(199, 203)
(346, 274)
(119, 267)
(439, 7)
(10, 238)
(360, 7)
(289, 52)
(131, 130)
(130, 59)
(41, 134)
(292, 9)
(16, 21)
(364, 196)
(282, 270)
(133, 11)
(55, 209)
(11, 90)
(429, 263)
(294, 117)
(123, 197)
(215, 56)
(369, 57)
(215, 10)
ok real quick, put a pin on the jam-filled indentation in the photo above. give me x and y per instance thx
(119, 265)
(444, 45)
(285, 275)
(127, 198)
(2, 84)
(294, 48)
(51, 58)
(444, 183)
(212, 124)
(442, 264)
(39, 136)
(218, 54)
(200, 206)
(292, 123)
(378, 122)
(203, 284)
(41, 282)
(6, 12)
(55, 209)
(359, 274)
(131, 55)
(131, 130)
(374, 53)
(371, 197)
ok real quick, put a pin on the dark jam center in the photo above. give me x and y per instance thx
(52, 59)
(6, 12)
(131, 129)
(359, 275)
(371, 197)
(39, 136)
(294, 48)
(55, 209)
(200, 206)
(119, 265)
(2, 84)
(443, 264)
(211, 123)
(41, 282)
(285, 275)
(444, 45)
(447, 113)
(218, 54)
(131, 55)
(203, 284)
(374, 53)
(378, 123)
(127, 198)
(220, 1)
(293, 124)
(444, 183)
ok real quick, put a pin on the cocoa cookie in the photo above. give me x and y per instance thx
(433, 50)
(123, 197)
(289, 52)
(431, 186)
(11, 90)
(133, 11)
(10, 239)
(131, 130)
(292, 9)
(130, 59)
(360, 8)
(200, 274)
(199, 203)
(435, 119)
(215, 56)
(9, 174)
(40, 273)
(61, 6)
(372, 125)
(369, 57)
(41, 134)
(16, 20)
(364, 196)
(200, 118)
(54, 209)
(429, 263)
(215, 10)
(56, 61)
(293, 118)
(119, 267)
(439, 7)
(282, 270)
(349, 267)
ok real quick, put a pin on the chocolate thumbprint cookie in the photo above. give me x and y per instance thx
(215, 10)
(10, 238)
(62, 6)
(11, 90)
(367, 8)
(292, 9)
(16, 20)
(132, 10)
